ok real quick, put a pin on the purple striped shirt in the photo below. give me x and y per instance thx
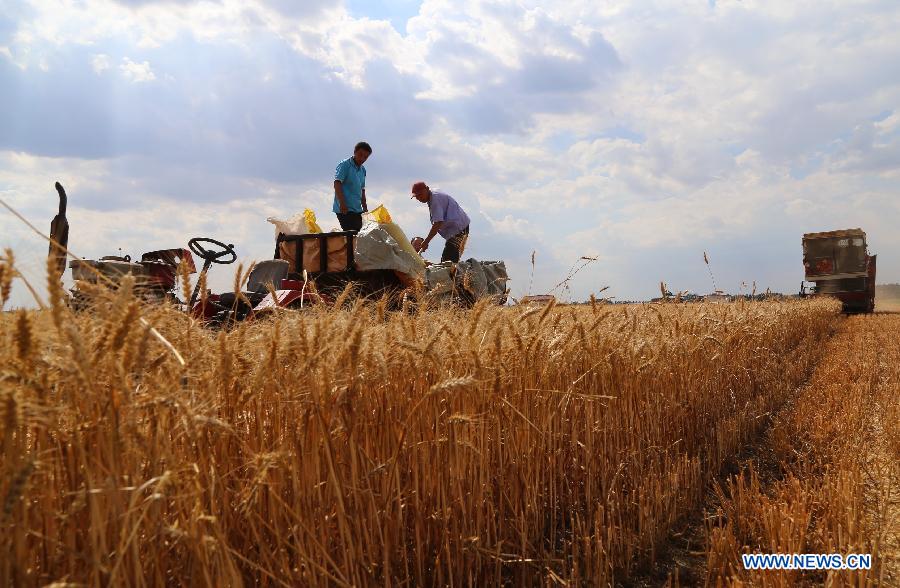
(443, 208)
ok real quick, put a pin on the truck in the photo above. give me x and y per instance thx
(839, 265)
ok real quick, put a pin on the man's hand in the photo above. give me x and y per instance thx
(431, 234)
(343, 208)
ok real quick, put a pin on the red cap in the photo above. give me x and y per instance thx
(419, 187)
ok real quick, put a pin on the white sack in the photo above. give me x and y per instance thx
(296, 225)
(374, 248)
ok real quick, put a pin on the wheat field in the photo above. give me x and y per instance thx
(356, 446)
(831, 483)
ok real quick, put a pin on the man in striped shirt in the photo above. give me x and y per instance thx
(448, 219)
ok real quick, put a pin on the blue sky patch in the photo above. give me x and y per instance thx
(398, 12)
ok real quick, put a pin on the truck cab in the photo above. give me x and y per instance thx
(839, 264)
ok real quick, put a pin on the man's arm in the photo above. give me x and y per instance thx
(339, 194)
(340, 174)
(431, 234)
(365, 207)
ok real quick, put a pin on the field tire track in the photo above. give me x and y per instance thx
(873, 341)
(682, 558)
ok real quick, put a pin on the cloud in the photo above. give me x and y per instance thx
(510, 225)
(139, 3)
(137, 72)
(210, 120)
(299, 10)
(497, 67)
(100, 63)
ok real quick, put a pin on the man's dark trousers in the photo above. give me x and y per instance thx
(350, 221)
(455, 246)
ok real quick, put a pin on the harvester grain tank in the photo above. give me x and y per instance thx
(840, 265)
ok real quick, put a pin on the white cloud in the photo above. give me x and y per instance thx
(890, 123)
(148, 42)
(137, 72)
(510, 225)
(100, 63)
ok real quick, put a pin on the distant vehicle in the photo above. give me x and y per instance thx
(717, 296)
(840, 265)
(538, 299)
(679, 297)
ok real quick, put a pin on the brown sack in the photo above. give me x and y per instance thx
(336, 260)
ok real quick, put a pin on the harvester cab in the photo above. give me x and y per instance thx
(839, 264)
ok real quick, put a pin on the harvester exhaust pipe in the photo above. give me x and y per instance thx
(59, 236)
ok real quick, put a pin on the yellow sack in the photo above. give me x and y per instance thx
(311, 225)
(381, 215)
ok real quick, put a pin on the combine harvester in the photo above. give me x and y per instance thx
(839, 264)
(308, 269)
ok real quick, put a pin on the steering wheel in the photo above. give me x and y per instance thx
(212, 255)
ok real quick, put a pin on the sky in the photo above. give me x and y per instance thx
(642, 134)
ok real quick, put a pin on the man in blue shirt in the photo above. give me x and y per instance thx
(350, 188)
(447, 219)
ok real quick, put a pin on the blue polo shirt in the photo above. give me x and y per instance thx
(353, 180)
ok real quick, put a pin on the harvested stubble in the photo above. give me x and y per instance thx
(352, 447)
(833, 479)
